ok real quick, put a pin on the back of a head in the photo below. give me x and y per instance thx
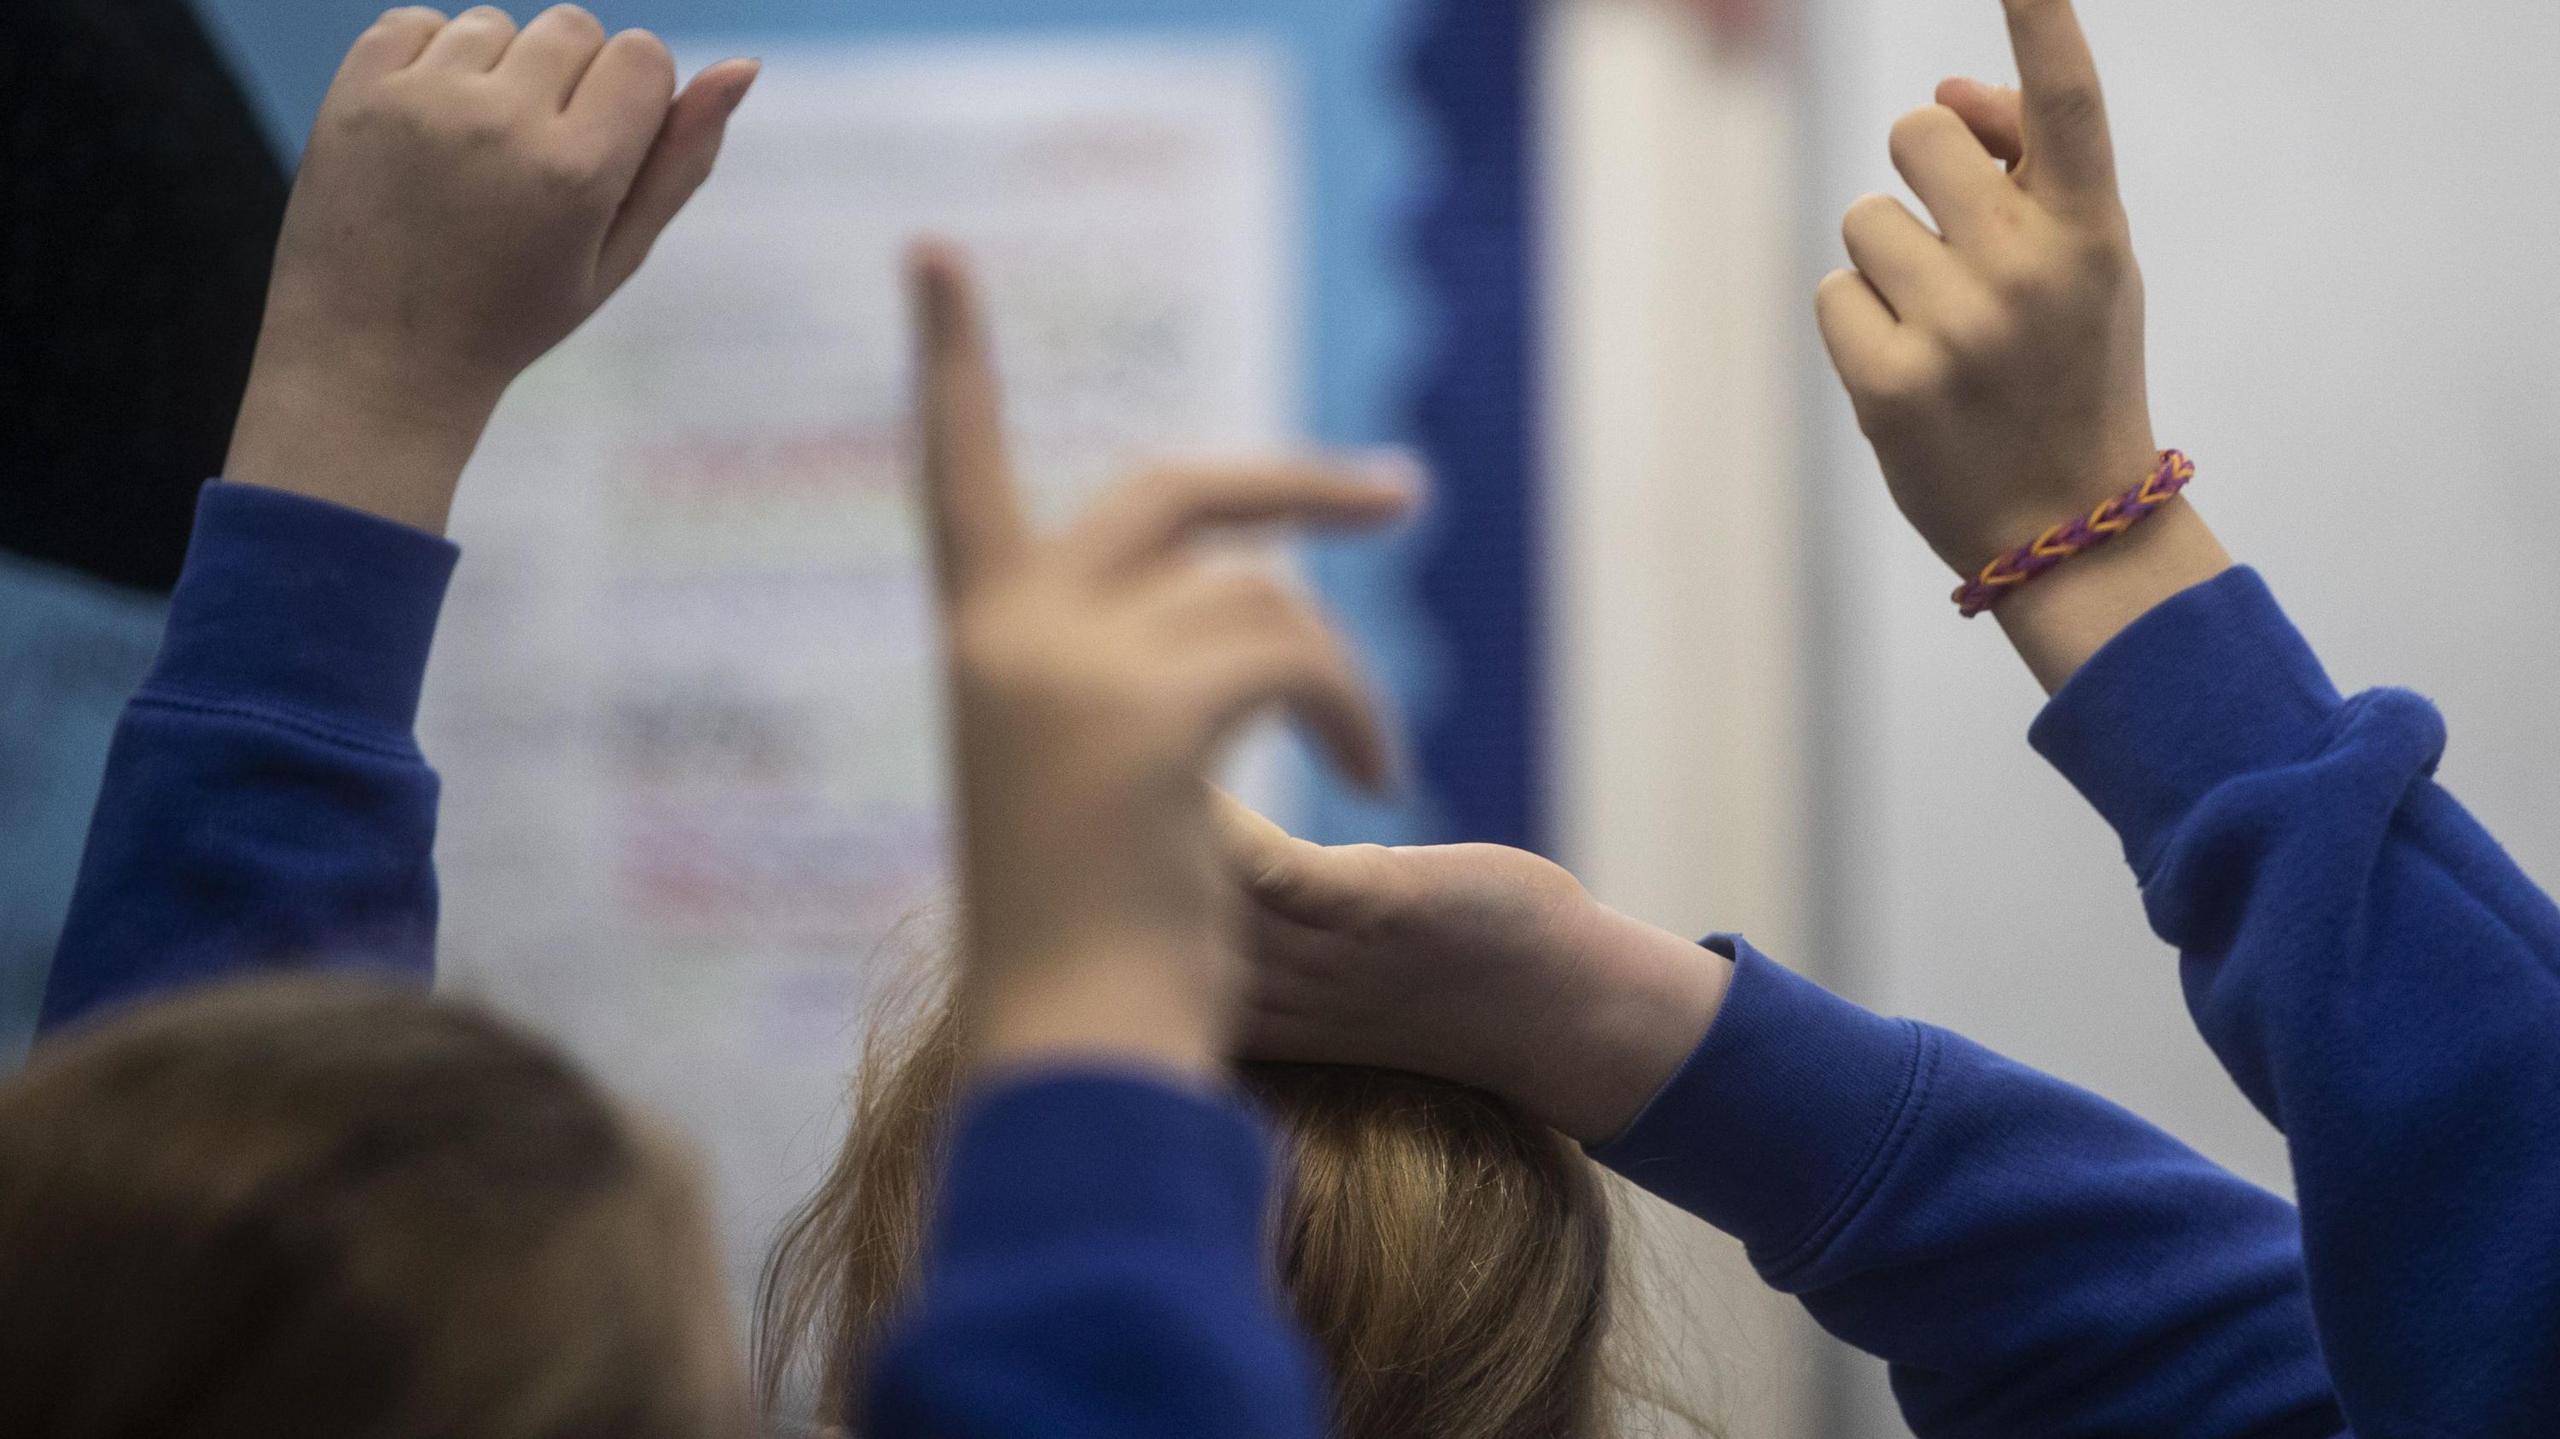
(1451, 1258)
(295, 1208)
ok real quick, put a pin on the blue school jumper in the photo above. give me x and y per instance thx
(2031, 1259)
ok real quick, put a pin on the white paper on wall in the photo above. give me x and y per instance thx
(684, 695)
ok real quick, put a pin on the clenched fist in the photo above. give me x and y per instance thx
(471, 193)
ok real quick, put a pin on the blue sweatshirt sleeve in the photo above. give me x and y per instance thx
(2028, 1258)
(1099, 1268)
(2377, 975)
(265, 804)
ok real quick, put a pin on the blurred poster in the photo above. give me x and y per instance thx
(684, 696)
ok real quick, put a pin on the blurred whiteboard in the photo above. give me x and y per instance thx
(684, 695)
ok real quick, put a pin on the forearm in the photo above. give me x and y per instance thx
(265, 802)
(2029, 1258)
(382, 437)
(1634, 1003)
(2375, 972)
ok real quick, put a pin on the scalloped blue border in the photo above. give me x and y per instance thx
(1475, 413)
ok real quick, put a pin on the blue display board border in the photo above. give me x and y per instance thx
(1476, 417)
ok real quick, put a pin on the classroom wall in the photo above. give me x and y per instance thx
(2342, 212)
(1674, 632)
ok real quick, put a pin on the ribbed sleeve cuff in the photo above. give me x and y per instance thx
(1785, 1116)
(294, 604)
(2213, 683)
(1066, 1159)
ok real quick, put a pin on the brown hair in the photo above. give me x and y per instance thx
(298, 1208)
(1450, 1257)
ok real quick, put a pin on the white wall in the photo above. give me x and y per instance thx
(1674, 640)
(2347, 213)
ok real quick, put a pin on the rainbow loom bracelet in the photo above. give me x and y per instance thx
(2005, 575)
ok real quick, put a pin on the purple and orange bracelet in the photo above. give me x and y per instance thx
(2008, 573)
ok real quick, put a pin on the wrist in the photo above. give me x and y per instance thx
(1640, 1000)
(386, 439)
(1124, 1007)
(2098, 473)
(2058, 623)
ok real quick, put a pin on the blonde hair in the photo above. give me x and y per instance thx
(1451, 1259)
(297, 1208)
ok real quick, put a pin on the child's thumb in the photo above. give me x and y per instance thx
(677, 165)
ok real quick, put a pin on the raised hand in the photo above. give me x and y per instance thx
(1474, 963)
(1095, 677)
(1996, 361)
(471, 194)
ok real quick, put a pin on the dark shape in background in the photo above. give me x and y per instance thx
(139, 205)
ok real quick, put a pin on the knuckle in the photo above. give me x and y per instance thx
(2008, 217)
(369, 111)
(2073, 106)
(568, 176)
(1867, 212)
(2102, 254)
(1864, 209)
(1384, 910)
(2031, 276)
(1254, 605)
(1900, 383)
(457, 113)
(1174, 490)
(576, 16)
(1151, 492)
(1977, 330)
(1166, 498)
(476, 128)
(1264, 596)
(1376, 857)
(990, 645)
(645, 46)
(1148, 501)
(1836, 299)
(1304, 672)
(1918, 129)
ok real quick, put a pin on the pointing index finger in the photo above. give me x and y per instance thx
(968, 483)
(2069, 150)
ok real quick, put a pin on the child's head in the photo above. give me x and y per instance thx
(1451, 1259)
(292, 1209)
